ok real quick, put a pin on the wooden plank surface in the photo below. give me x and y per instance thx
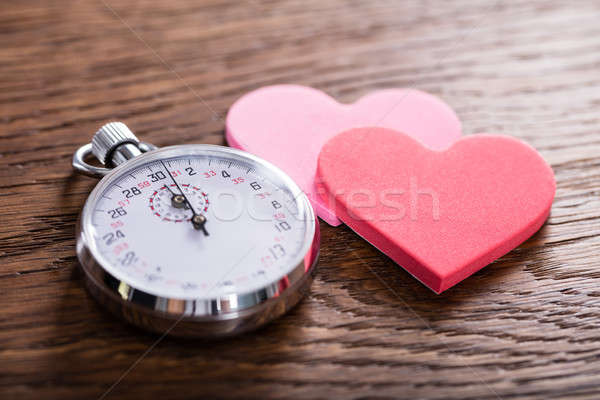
(525, 327)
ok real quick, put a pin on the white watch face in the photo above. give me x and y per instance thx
(198, 224)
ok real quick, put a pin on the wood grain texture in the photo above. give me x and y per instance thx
(525, 327)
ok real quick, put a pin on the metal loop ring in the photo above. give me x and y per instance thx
(98, 172)
(80, 165)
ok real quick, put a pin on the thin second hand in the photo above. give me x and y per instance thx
(169, 189)
(195, 215)
(178, 188)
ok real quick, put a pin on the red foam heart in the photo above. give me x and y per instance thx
(442, 215)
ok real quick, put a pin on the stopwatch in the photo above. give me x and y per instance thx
(192, 240)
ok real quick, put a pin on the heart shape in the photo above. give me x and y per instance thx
(289, 124)
(442, 215)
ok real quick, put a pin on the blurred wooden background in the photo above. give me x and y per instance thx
(527, 326)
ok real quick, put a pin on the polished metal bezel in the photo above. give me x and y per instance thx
(212, 316)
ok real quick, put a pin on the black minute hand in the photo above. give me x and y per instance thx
(198, 220)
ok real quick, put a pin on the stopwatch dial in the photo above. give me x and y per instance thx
(142, 226)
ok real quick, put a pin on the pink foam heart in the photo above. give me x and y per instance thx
(288, 124)
(442, 215)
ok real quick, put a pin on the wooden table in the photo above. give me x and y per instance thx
(525, 327)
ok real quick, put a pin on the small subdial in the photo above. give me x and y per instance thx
(168, 204)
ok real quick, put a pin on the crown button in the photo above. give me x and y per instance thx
(109, 138)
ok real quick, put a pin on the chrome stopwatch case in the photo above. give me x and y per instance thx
(192, 240)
